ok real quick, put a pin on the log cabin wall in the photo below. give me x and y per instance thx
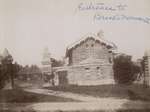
(91, 76)
(90, 48)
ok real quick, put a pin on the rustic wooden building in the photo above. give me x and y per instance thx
(90, 62)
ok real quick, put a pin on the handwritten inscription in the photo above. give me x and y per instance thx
(122, 17)
(100, 6)
(110, 9)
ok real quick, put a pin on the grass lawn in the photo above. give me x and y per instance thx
(20, 96)
(133, 92)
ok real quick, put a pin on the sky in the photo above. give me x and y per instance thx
(28, 26)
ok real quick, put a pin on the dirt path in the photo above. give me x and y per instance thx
(75, 96)
(91, 106)
(105, 105)
(88, 103)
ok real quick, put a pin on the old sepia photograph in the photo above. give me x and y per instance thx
(74, 55)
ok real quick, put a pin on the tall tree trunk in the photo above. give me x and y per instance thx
(11, 76)
(12, 81)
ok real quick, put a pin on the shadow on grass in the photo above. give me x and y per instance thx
(17, 100)
(20, 96)
(137, 106)
(132, 92)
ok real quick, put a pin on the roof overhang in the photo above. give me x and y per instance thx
(110, 45)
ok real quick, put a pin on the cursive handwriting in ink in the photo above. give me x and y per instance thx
(100, 6)
(122, 17)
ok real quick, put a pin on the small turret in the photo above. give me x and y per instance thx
(46, 62)
(46, 57)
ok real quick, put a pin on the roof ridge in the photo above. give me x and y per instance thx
(93, 36)
(78, 40)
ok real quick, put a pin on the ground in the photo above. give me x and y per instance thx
(20, 96)
(102, 98)
(132, 92)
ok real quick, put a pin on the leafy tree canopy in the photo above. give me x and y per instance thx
(125, 71)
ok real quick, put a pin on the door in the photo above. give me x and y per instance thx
(62, 76)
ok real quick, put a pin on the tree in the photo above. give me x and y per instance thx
(8, 68)
(2, 77)
(16, 68)
(142, 68)
(125, 71)
(56, 63)
(8, 71)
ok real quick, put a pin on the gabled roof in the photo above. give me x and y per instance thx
(109, 44)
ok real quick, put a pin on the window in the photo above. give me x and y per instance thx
(97, 68)
(92, 45)
(110, 51)
(110, 60)
(87, 68)
(87, 45)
